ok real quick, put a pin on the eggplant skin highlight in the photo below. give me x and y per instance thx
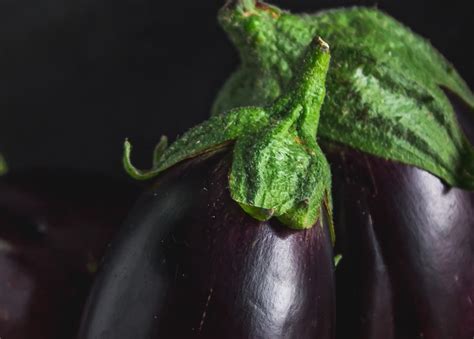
(54, 228)
(190, 263)
(407, 242)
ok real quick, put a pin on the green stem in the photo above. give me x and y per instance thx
(308, 87)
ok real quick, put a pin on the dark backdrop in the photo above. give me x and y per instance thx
(78, 76)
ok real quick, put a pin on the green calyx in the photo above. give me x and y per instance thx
(384, 86)
(278, 168)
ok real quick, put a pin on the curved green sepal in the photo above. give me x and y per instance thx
(277, 168)
(211, 135)
(3, 165)
(384, 94)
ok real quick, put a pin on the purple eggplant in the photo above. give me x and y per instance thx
(404, 232)
(54, 227)
(407, 241)
(189, 262)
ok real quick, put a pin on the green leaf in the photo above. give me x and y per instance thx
(384, 94)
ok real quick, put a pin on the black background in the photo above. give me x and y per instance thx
(78, 76)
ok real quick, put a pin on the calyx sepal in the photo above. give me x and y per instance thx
(385, 84)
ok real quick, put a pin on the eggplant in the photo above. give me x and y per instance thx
(190, 263)
(401, 171)
(407, 241)
(54, 228)
(235, 245)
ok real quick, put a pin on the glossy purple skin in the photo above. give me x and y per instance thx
(408, 247)
(190, 263)
(54, 228)
(407, 241)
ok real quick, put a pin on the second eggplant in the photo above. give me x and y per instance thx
(407, 242)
